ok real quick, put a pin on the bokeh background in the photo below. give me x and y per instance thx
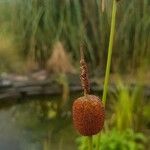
(39, 72)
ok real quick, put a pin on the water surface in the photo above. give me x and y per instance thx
(37, 125)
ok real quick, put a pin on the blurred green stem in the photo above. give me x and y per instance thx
(107, 73)
(90, 143)
(112, 32)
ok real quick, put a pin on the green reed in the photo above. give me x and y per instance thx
(36, 25)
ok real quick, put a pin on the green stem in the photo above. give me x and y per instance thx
(112, 33)
(90, 143)
(107, 73)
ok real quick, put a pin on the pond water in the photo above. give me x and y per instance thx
(42, 123)
(37, 125)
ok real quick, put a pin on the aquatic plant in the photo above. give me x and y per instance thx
(88, 110)
(37, 24)
(128, 115)
(116, 140)
(83, 109)
(112, 33)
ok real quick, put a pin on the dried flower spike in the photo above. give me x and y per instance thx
(84, 73)
(88, 111)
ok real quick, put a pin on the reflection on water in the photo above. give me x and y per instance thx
(36, 125)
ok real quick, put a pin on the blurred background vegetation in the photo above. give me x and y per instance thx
(29, 30)
(46, 35)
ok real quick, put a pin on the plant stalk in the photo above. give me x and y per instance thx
(112, 33)
(107, 73)
(90, 142)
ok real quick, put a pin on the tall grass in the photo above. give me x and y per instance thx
(37, 24)
(128, 108)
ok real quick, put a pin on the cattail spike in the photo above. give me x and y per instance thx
(88, 111)
(88, 115)
(84, 73)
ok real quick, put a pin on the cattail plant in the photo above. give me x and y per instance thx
(88, 110)
(110, 48)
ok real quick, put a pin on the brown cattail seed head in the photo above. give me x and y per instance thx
(84, 77)
(88, 115)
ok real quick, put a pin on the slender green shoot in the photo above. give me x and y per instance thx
(107, 73)
(90, 142)
(112, 33)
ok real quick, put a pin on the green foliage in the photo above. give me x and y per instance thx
(37, 24)
(146, 114)
(128, 107)
(115, 140)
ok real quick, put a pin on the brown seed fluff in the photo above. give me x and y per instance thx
(88, 115)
